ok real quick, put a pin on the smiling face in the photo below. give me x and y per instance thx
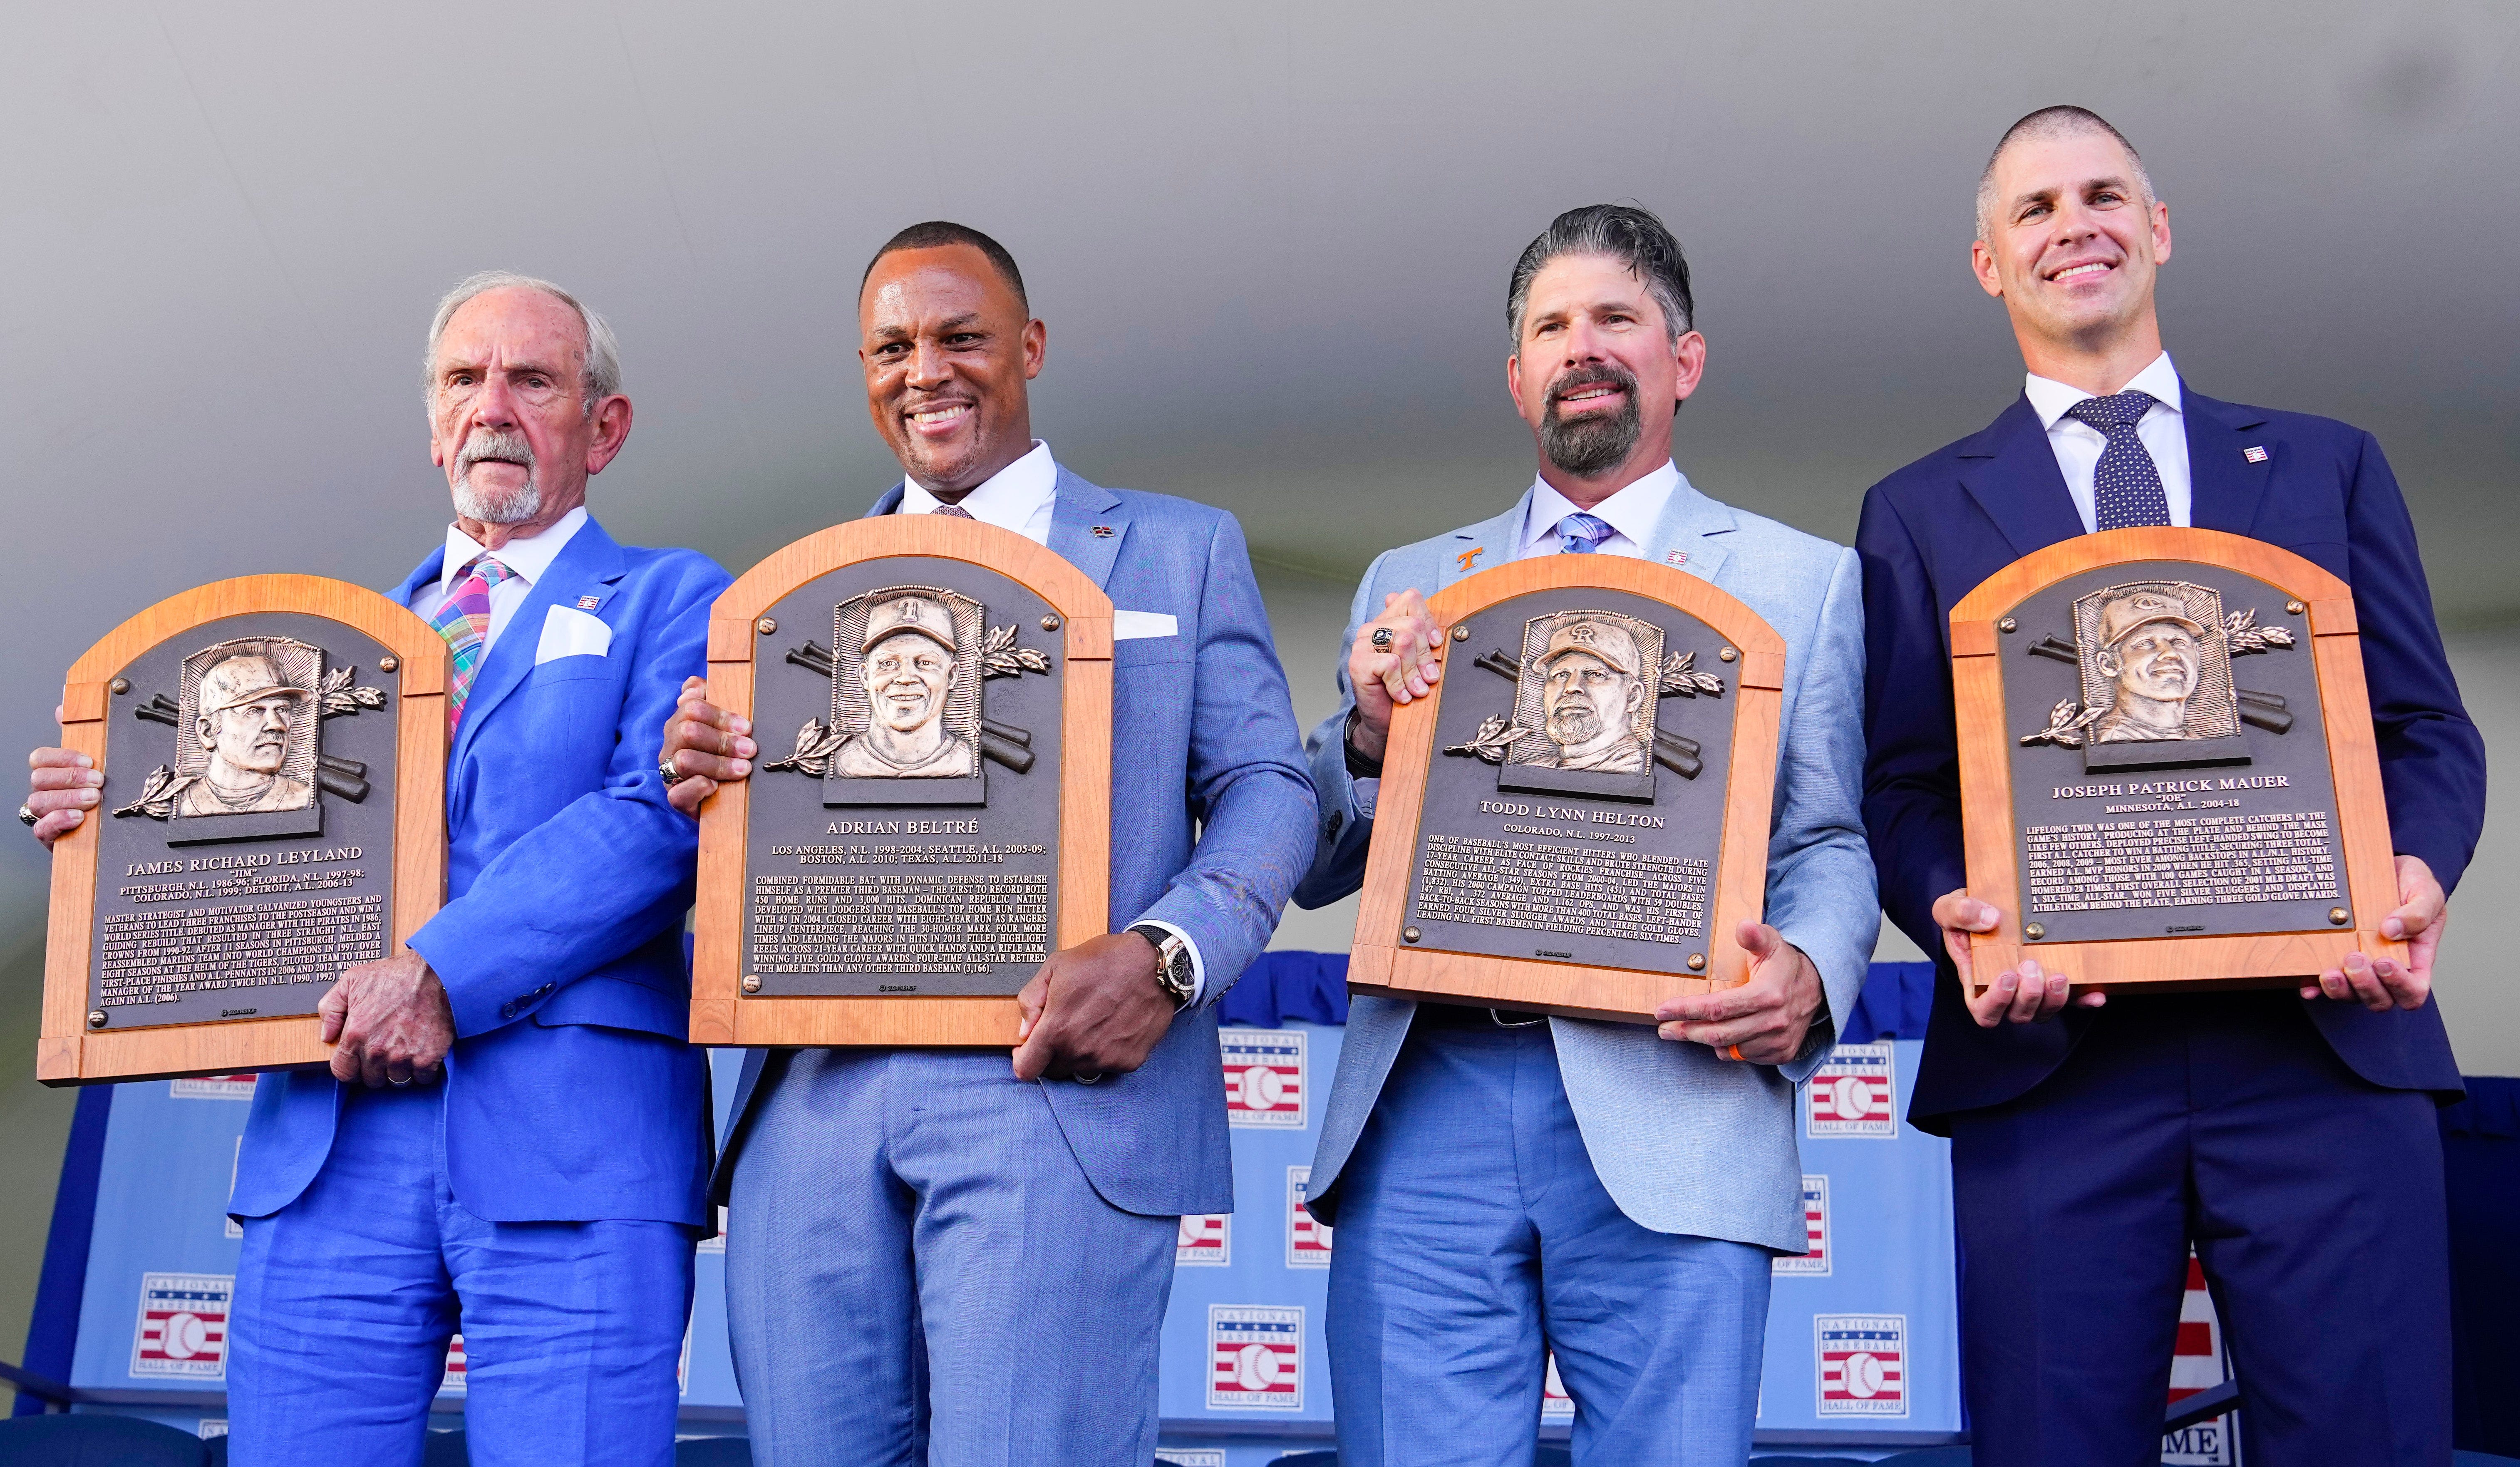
(2071, 245)
(1587, 700)
(2158, 660)
(906, 676)
(509, 421)
(947, 349)
(1595, 373)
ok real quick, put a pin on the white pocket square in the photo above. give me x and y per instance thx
(570, 632)
(1130, 625)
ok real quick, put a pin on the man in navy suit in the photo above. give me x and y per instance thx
(513, 1141)
(934, 1256)
(2290, 1138)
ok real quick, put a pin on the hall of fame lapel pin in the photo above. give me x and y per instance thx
(1676, 558)
(2254, 454)
(589, 603)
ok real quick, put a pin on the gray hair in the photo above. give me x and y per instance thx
(1625, 232)
(2053, 122)
(602, 374)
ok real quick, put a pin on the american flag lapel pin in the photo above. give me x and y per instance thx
(1104, 531)
(1676, 558)
(2254, 454)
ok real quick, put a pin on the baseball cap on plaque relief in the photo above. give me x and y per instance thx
(2168, 771)
(931, 818)
(1575, 820)
(274, 752)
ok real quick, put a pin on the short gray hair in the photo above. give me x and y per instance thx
(2053, 122)
(1625, 232)
(601, 375)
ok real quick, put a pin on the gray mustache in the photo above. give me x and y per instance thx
(488, 443)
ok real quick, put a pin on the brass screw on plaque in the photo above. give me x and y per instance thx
(2007, 624)
(1049, 623)
(2034, 931)
(1696, 962)
(1728, 653)
(121, 686)
(752, 982)
(767, 625)
(387, 663)
(2295, 608)
(1461, 633)
(1408, 935)
(2339, 915)
(95, 1018)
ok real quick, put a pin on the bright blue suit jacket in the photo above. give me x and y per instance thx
(1936, 528)
(572, 1093)
(1211, 826)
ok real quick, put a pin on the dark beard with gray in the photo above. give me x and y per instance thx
(1573, 723)
(1594, 444)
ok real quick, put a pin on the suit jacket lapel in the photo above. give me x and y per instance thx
(2011, 472)
(2223, 487)
(1088, 525)
(422, 577)
(1483, 546)
(1688, 525)
(589, 565)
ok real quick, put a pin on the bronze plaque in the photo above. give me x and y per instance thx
(259, 803)
(2164, 734)
(932, 697)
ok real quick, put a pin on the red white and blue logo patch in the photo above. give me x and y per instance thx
(1256, 1357)
(1308, 1239)
(2196, 1364)
(1863, 1365)
(1815, 1228)
(457, 1378)
(183, 1325)
(1554, 1403)
(1854, 1093)
(1264, 1076)
(1205, 1241)
(2254, 454)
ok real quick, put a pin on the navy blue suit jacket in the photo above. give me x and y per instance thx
(1936, 528)
(572, 1092)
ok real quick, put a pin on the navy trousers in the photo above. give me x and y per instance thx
(346, 1298)
(1474, 1236)
(2314, 1202)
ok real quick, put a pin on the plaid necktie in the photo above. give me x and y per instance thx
(465, 623)
(1582, 534)
(2125, 484)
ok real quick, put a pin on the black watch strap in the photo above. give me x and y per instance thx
(1358, 765)
(1174, 971)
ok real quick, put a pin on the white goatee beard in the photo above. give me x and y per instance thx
(472, 504)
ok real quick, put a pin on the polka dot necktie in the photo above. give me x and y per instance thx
(2125, 484)
(465, 623)
(1582, 534)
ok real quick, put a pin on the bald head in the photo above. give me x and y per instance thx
(2046, 123)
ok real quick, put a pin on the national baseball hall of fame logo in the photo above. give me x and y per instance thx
(1863, 1365)
(1256, 1357)
(1814, 1263)
(1205, 1241)
(1308, 1239)
(183, 1325)
(1264, 1076)
(1853, 1094)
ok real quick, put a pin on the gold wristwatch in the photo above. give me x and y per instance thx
(1175, 971)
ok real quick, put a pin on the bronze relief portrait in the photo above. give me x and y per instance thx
(2155, 663)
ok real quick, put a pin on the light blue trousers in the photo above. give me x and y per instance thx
(1473, 1237)
(346, 1298)
(918, 1272)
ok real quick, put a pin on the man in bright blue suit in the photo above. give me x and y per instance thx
(1506, 1184)
(513, 1141)
(2290, 1138)
(932, 1255)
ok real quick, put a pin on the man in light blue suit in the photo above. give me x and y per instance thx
(934, 1256)
(513, 1141)
(1504, 1184)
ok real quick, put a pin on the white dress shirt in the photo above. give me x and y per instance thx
(1021, 497)
(2163, 430)
(1632, 514)
(526, 561)
(1017, 497)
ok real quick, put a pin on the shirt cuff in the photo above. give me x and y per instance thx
(1366, 791)
(1197, 964)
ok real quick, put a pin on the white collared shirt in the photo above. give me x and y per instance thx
(527, 559)
(1631, 515)
(1018, 497)
(2163, 430)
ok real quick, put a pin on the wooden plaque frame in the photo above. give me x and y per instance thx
(1382, 964)
(721, 1012)
(69, 1052)
(1986, 739)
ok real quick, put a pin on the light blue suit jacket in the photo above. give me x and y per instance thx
(1211, 824)
(1684, 1141)
(572, 1093)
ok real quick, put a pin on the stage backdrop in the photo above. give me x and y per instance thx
(1860, 1343)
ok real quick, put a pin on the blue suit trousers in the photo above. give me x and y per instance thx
(346, 1299)
(926, 1277)
(2315, 1201)
(1473, 1236)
